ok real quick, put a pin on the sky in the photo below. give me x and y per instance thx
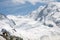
(21, 7)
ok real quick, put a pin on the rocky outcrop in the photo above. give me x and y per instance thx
(6, 36)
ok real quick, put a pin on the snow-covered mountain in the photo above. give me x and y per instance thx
(41, 24)
(47, 12)
(7, 28)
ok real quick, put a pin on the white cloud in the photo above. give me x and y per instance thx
(18, 1)
(31, 1)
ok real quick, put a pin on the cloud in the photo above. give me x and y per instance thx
(31, 1)
(18, 1)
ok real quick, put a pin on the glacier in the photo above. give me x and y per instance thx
(40, 24)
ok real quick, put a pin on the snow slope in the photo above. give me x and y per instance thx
(41, 24)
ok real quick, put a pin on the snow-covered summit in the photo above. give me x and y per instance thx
(49, 12)
(46, 10)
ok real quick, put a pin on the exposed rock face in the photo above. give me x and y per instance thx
(6, 36)
(11, 38)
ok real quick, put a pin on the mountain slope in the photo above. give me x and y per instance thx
(7, 28)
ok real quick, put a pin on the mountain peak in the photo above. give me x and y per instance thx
(2, 16)
(43, 11)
